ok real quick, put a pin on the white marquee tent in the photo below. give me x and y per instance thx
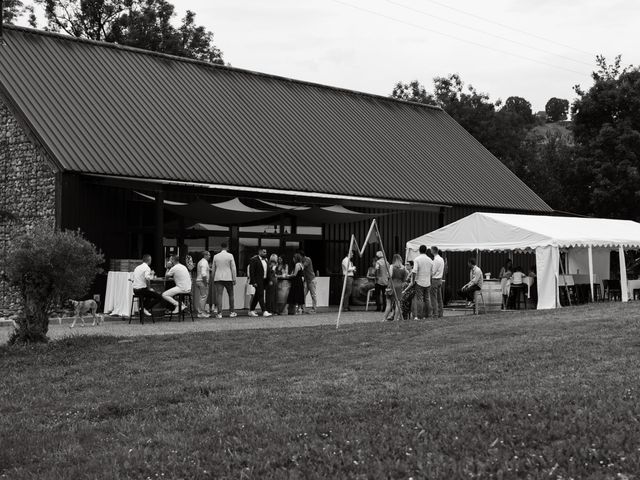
(543, 235)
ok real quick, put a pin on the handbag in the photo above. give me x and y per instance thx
(251, 290)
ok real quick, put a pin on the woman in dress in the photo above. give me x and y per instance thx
(282, 275)
(408, 292)
(505, 277)
(296, 294)
(272, 283)
(397, 275)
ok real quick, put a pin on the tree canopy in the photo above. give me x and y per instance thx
(557, 109)
(146, 24)
(592, 169)
(607, 132)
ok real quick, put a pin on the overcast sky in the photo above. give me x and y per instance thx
(534, 49)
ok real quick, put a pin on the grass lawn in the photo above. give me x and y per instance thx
(550, 395)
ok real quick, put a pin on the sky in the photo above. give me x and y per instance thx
(532, 49)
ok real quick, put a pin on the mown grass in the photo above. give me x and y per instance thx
(531, 395)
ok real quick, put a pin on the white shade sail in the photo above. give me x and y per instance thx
(500, 231)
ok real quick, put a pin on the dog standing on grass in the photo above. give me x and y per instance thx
(80, 308)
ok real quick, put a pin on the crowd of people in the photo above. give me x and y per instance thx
(396, 284)
(274, 288)
(265, 278)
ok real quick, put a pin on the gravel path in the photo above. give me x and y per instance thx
(120, 327)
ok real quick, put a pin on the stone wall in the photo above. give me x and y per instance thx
(27, 191)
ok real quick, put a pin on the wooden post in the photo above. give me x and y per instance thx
(158, 254)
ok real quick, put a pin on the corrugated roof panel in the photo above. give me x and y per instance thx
(101, 108)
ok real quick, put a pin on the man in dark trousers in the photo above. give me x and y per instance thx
(258, 277)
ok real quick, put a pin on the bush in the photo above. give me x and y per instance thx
(48, 267)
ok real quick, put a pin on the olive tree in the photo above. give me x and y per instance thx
(47, 267)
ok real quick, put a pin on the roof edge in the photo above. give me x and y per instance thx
(117, 46)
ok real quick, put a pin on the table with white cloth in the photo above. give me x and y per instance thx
(631, 286)
(117, 299)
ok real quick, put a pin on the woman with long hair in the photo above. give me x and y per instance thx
(505, 282)
(272, 283)
(408, 292)
(296, 294)
(397, 277)
(284, 285)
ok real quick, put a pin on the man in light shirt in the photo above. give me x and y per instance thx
(202, 283)
(141, 287)
(474, 284)
(348, 270)
(182, 279)
(224, 278)
(382, 280)
(437, 273)
(422, 268)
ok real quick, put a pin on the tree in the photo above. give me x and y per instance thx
(413, 91)
(556, 109)
(12, 10)
(145, 24)
(520, 108)
(607, 131)
(48, 267)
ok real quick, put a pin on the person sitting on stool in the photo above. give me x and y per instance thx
(182, 279)
(475, 282)
(141, 287)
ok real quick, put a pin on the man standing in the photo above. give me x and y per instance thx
(382, 280)
(224, 278)
(348, 270)
(309, 280)
(422, 268)
(258, 278)
(475, 282)
(141, 287)
(436, 283)
(202, 283)
(182, 279)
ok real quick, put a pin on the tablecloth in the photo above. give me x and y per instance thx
(631, 285)
(117, 299)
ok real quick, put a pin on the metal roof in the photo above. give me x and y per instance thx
(101, 108)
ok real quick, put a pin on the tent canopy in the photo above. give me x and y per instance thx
(500, 231)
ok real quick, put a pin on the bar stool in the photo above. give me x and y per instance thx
(140, 301)
(183, 298)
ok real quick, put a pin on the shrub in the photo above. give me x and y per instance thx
(48, 267)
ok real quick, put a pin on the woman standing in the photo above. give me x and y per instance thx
(272, 283)
(397, 275)
(505, 285)
(282, 275)
(408, 292)
(296, 294)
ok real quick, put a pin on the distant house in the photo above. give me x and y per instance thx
(134, 147)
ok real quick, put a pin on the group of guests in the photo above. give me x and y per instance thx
(512, 281)
(264, 274)
(142, 276)
(396, 284)
(268, 280)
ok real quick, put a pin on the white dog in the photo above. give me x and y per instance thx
(82, 307)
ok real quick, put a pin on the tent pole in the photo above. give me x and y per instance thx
(591, 271)
(564, 278)
(624, 290)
